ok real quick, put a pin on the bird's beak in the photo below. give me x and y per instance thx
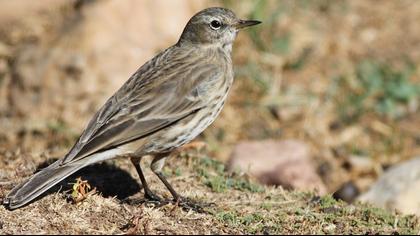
(245, 23)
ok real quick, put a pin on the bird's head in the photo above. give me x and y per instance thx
(216, 25)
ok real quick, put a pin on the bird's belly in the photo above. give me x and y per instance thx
(184, 131)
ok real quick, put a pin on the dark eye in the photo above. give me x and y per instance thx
(215, 24)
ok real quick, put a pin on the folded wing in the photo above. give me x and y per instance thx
(158, 95)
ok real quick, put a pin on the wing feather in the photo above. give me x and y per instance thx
(146, 103)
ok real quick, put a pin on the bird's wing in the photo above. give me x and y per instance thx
(158, 95)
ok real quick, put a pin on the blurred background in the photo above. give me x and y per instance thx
(326, 92)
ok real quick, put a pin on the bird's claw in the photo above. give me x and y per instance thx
(188, 204)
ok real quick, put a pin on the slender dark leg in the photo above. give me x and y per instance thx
(175, 195)
(156, 166)
(185, 203)
(147, 192)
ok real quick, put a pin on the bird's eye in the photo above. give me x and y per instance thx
(215, 24)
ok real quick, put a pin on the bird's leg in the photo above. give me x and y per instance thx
(147, 192)
(156, 166)
(185, 203)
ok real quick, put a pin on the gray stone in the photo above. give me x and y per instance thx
(398, 188)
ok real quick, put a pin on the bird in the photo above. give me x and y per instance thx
(165, 104)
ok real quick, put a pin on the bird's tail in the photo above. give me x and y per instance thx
(39, 183)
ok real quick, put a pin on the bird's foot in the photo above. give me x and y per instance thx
(188, 204)
(154, 199)
(150, 196)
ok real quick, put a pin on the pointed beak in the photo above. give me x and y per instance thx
(246, 23)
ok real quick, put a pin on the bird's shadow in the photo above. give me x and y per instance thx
(108, 179)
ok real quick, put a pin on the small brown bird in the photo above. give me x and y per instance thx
(165, 104)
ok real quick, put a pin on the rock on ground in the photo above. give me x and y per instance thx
(286, 163)
(398, 188)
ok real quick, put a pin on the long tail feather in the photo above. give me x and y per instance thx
(39, 183)
(50, 176)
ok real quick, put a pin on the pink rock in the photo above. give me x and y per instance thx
(286, 163)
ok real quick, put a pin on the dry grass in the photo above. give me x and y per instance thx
(238, 206)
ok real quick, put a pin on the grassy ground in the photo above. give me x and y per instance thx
(342, 76)
(232, 204)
